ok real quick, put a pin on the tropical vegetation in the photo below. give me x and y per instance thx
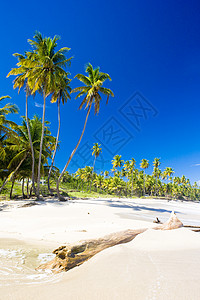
(28, 150)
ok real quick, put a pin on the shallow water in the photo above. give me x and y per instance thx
(18, 262)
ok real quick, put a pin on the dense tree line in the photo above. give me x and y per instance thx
(124, 179)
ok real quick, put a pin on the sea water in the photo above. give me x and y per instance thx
(18, 265)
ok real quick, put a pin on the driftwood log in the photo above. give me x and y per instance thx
(68, 257)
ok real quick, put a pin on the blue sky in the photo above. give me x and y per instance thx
(151, 51)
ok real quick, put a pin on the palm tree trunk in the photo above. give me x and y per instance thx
(54, 153)
(156, 186)
(23, 195)
(94, 163)
(41, 144)
(13, 173)
(132, 183)
(144, 185)
(90, 184)
(27, 186)
(30, 195)
(11, 190)
(31, 144)
(126, 189)
(92, 173)
(72, 154)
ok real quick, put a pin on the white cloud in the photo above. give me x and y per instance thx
(196, 165)
(38, 105)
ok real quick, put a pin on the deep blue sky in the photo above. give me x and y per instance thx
(150, 47)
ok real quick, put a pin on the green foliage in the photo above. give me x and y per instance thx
(42, 70)
(93, 86)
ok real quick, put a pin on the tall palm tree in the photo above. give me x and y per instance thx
(144, 165)
(117, 185)
(98, 181)
(126, 168)
(177, 180)
(22, 73)
(106, 173)
(46, 66)
(60, 94)
(80, 174)
(132, 167)
(156, 162)
(96, 152)
(87, 176)
(91, 90)
(168, 173)
(20, 147)
(156, 171)
(117, 162)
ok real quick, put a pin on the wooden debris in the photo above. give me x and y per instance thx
(68, 257)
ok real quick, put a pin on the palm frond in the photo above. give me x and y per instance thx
(104, 76)
(84, 79)
(4, 97)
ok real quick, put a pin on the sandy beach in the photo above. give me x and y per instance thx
(155, 265)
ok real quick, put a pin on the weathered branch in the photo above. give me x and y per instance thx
(68, 257)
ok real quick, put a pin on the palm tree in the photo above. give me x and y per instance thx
(156, 171)
(156, 162)
(46, 67)
(20, 147)
(117, 185)
(80, 174)
(4, 111)
(106, 173)
(87, 175)
(127, 171)
(20, 81)
(96, 152)
(168, 173)
(117, 162)
(92, 89)
(177, 180)
(98, 181)
(61, 93)
(144, 165)
(6, 130)
(132, 167)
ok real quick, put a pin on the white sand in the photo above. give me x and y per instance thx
(155, 265)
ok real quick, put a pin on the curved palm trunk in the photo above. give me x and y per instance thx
(54, 153)
(14, 172)
(31, 144)
(41, 144)
(72, 154)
